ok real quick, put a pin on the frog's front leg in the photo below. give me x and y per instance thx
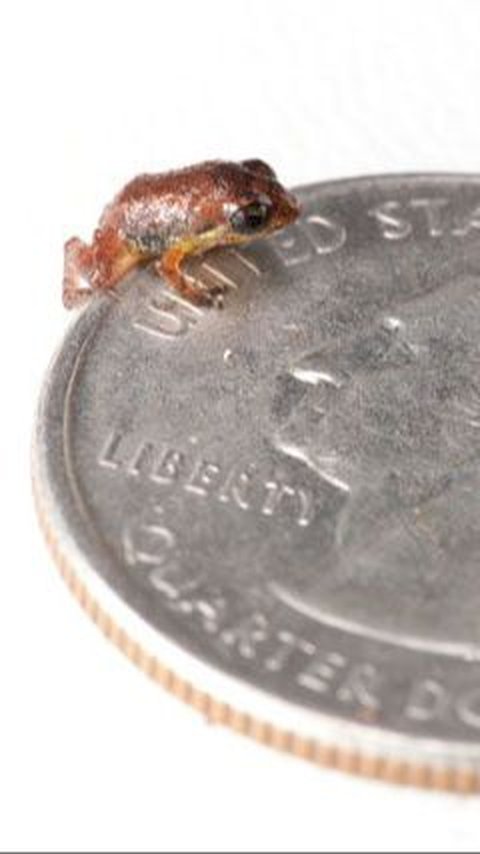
(169, 266)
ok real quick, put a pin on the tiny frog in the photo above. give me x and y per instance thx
(162, 219)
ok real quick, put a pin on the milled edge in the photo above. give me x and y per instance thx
(447, 779)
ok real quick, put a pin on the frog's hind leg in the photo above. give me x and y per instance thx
(78, 266)
(97, 267)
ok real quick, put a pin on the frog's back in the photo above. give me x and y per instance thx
(170, 190)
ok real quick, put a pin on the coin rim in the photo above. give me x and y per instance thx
(445, 778)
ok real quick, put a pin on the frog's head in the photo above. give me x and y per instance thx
(248, 202)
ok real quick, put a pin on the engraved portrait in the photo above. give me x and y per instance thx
(390, 421)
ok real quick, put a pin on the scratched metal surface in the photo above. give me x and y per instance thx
(280, 499)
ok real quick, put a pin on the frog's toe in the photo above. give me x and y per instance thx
(209, 298)
(218, 301)
(209, 295)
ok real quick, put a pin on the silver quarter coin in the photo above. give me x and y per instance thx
(274, 509)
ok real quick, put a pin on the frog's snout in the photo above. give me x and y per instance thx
(294, 207)
(288, 211)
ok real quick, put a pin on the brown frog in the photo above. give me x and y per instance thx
(162, 219)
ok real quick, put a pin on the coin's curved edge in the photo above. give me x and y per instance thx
(447, 779)
(305, 190)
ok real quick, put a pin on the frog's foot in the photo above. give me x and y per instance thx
(77, 288)
(168, 267)
(214, 296)
(207, 294)
(101, 266)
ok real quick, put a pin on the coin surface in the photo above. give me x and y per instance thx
(274, 509)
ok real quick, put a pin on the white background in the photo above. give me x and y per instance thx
(91, 754)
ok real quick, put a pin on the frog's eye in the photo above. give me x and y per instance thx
(251, 218)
